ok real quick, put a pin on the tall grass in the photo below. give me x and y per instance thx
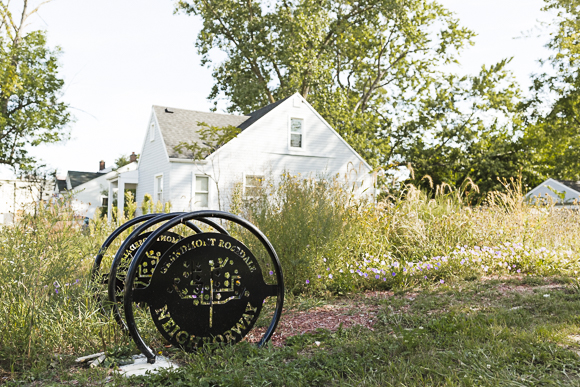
(46, 304)
(328, 241)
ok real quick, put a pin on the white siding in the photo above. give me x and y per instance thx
(263, 149)
(153, 161)
(87, 197)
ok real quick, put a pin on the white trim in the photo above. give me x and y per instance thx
(187, 161)
(155, 192)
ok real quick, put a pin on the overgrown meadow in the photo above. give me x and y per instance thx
(329, 243)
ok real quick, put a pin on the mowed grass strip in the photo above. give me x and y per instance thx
(517, 332)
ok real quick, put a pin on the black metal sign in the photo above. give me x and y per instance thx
(204, 288)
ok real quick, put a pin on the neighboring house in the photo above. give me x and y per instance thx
(90, 190)
(288, 135)
(561, 192)
(19, 195)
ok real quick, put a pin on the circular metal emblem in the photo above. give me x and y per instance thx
(206, 288)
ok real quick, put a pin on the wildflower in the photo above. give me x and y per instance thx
(425, 277)
(328, 269)
(377, 276)
(307, 282)
(340, 271)
(442, 281)
(394, 274)
(319, 276)
(56, 291)
(324, 259)
(330, 276)
(271, 272)
(384, 279)
(519, 271)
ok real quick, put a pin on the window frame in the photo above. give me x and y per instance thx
(303, 133)
(245, 185)
(195, 191)
(155, 188)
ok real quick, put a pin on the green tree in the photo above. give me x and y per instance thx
(372, 69)
(553, 133)
(30, 110)
(123, 160)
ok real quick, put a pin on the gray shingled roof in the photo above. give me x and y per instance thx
(77, 177)
(182, 126)
(575, 185)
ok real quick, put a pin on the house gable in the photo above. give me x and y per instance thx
(571, 194)
(270, 132)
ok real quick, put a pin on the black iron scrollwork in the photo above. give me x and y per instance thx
(208, 287)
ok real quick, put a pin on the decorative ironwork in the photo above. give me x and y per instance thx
(207, 287)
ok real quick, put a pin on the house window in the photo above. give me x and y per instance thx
(252, 185)
(201, 191)
(152, 132)
(296, 133)
(105, 202)
(158, 189)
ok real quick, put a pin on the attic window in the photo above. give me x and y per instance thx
(152, 132)
(296, 132)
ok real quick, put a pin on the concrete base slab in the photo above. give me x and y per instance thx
(140, 367)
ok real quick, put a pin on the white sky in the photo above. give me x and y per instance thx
(121, 57)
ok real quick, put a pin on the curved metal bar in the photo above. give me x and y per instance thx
(118, 231)
(112, 237)
(216, 226)
(112, 284)
(128, 298)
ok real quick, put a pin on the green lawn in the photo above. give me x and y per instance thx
(516, 332)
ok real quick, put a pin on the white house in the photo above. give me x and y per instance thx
(561, 192)
(91, 190)
(288, 135)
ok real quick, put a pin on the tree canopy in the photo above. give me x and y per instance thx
(553, 113)
(374, 70)
(30, 110)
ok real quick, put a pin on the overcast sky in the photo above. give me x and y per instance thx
(121, 57)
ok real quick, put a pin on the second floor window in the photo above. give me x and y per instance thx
(296, 132)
